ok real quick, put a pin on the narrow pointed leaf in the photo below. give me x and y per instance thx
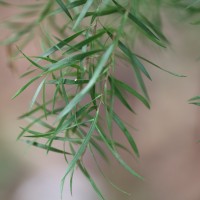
(195, 103)
(38, 108)
(141, 25)
(157, 66)
(64, 8)
(194, 98)
(70, 60)
(135, 68)
(126, 133)
(105, 12)
(116, 155)
(27, 73)
(132, 91)
(85, 42)
(37, 93)
(61, 44)
(46, 147)
(83, 13)
(106, 177)
(32, 62)
(69, 5)
(25, 86)
(123, 100)
(87, 175)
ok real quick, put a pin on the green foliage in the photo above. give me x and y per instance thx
(80, 71)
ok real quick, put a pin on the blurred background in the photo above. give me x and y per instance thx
(167, 135)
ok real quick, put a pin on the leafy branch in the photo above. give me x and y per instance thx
(80, 71)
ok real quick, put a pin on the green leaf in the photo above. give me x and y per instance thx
(157, 66)
(4, 3)
(44, 99)
(64, 8)
(116, 144)
(69, 5)
(87, 175)
(126, 133)
(84, 42)
(115, 154)
(69, 81)
(38, 120)
(105, 12)
(27, 73)
(140, 24)
(35, 121)
(131, 91)
(55, 95)
(83, 13)
(43, 146)
(63, 89)
(155, 29)
(106, 177)
(37, 93)
(195, 103)
(61, 44)
(134, 61)
(42, 135)
(194, 98)
(45, 58)
(71, 182)
(70, 60)
(95, 144)
(36, 134)
(135, 68)
(119, 95)
(81, 112)
(136, 65)
(99, 149)
(31, 61)
(38, 108)
(26, 85)
(75, 4)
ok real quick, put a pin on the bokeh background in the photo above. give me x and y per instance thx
(167, 135)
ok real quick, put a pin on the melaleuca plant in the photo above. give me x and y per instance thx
(84, 42)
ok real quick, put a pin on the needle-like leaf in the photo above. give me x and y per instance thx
(83, 13)
(64, 8)
(25, 86)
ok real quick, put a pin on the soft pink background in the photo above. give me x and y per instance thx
(167, 138)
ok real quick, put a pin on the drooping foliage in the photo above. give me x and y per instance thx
(83, 42)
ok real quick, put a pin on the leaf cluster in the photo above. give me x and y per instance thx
(78, 68)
